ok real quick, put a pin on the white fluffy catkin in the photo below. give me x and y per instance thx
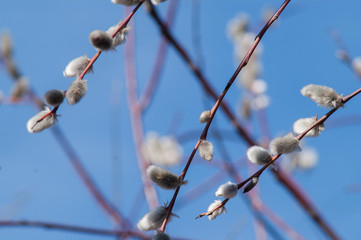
(76, 91)
(101, 40)
(157, 2)
(217, 212)
(227, 190)
(258, 155)
(324, 96)
(127, 2)
(164, 178)
(38, 123)
(205, 150)
(76, 66)
(153, 219)
(303, 124)
(285, 144)
(205, 116)
(119, 38)
(54, 97)
(20, 88)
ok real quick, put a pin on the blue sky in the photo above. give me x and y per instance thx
(37, 178)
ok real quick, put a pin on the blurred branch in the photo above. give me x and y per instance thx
(282, 177)
(73, 228)
(136, 120)
(303, 200)
(150, 88)
(209, 89)
(68, 150)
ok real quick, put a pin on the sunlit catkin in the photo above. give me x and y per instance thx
(119, 38)
(41, 121)
(76, 66)
(153, 219)
(76, 91)
(205, 150)
(205, 116)
(324, 96)
(164, 178)
(303, 124)
(227, 190)
(285, 144)
(127, 2)
(217, 212)
(258, 155)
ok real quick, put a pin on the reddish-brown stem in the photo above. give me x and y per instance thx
(204, 82)
(67, 148)
(46, 115)
(70, 152)
(73, 228)
(282, 177)
(218, 102)
(120, 27)
(90, 64)
(136, 121)
(146, 97)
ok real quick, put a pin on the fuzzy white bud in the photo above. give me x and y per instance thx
(20, 89)
(76, 91)
(227, 190)
(165, 150)
(205, 116)
(153, 219)
(157, 2)
(324, 96)
(217, 212)
(164, 178)
(76, 66)
(259, 86)
(205, 150)
(161, 236)
(101, 40)
(54, 97)
(41, 121)
(119, 38)
(285, 144)
(258, 155)
(127, 2)
(356, 65)
(303, 124)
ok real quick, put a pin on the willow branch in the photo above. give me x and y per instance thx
(73, 228)
(152, 84)
(219, 101)
(136, 121)
(280, 175)
(69, 151)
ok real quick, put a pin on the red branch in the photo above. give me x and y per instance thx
(136, 121)
(219, 100)
(73, 228)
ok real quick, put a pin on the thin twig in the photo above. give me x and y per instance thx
(136, 121)
(274, 158)
(280, 175)
(71, 154)
(74, 228)
(146, 97)
(218, 102)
